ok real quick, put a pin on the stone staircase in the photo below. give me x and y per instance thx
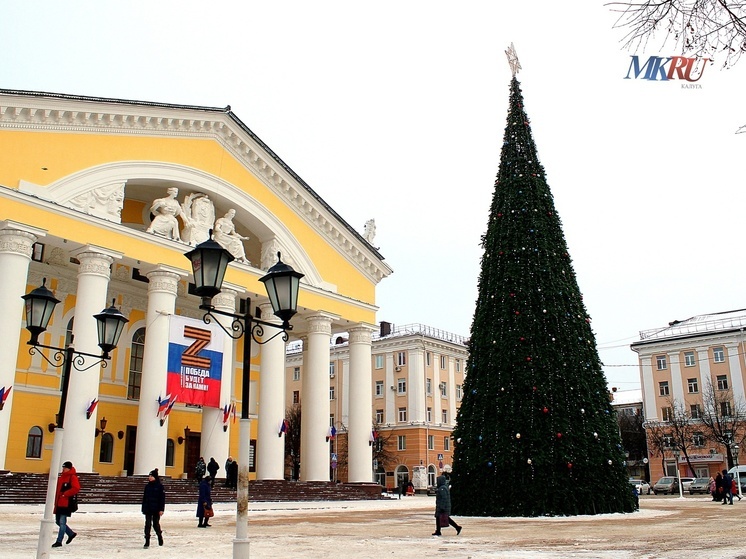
(27, 488)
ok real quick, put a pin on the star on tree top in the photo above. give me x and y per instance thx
(513, 60)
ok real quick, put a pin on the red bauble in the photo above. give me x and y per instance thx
(559, 435)
(569, 465)
(528, 359)
(545, 410)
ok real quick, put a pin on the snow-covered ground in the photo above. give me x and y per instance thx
(665, 527)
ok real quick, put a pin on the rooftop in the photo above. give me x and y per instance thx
(700, 324)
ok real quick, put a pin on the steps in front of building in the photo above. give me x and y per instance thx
(28, 488)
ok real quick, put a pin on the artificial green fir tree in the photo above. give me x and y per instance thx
(536, 433)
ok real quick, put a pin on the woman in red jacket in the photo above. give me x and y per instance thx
(67, 486)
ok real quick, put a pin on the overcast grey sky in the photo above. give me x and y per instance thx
(396, 110)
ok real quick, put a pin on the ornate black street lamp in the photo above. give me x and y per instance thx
(209, 264)
(110, 322)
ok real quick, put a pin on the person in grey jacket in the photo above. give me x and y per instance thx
(443, 506)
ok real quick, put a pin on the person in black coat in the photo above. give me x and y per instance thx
(233, 475)
(204, 503)
(443, 506)
(212, 468)
(153, 505)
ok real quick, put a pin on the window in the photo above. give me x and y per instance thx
(379, 416)
(722, 381)
(667, 441)
(661, 361)
(381, 476)
(331, 393)
(296, 396)
(667, 414)
(37, 252)
(401, 386)
(431, 442)
(296, 373)
(401, 358)
(718, 355)
(443, 361)
(428, 360)
(698, 440)
(402, 414)
(663, 388)
(689, 360)
(446, 443)
(136, 353)
(725, 409)
(443, 389)
(331, 420)
(170, 453)
(428, 386)
(459, 392)
(33, 442)
(401, 442)
(458, 365)
(429, 415)
(693, 385)
(332, 368)
(379, 361)
(444, 416)
(695, 411)
(379, 388)
(107, 448)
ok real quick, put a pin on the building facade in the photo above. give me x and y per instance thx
(416, 390)
(99, 201)
(690, 371)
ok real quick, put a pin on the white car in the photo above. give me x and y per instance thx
(686, 483)
(642, 486)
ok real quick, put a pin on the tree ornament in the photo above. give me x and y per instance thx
(517, 435)
(610, 462)
(545, 410)
(559, 435)
(569, 465)
(529, 461)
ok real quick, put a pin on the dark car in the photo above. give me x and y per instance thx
(700, 485)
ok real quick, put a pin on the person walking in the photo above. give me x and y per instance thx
(443, 507)
(204, 505)
(153, 505)
(727, 485)
(734, 489)
(233, 475)
(712, 488)
(200, 469)
(212, 468)
(718, 494)
(228, 464)
(65, 503)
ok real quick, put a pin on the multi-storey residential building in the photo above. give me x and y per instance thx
(416, 390)
(694, 366)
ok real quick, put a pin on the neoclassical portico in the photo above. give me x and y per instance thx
(86, 227)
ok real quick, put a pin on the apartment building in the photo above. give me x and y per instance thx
(417, 384)
(690, 368)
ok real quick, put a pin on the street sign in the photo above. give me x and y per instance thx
(440, 456)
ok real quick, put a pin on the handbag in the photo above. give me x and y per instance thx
(72, 503)
(443, 520)
(209, 513)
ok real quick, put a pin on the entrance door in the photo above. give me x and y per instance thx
(191, 453)
(129, 449)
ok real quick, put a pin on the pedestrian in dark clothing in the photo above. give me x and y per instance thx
(233, 475)
(153, 505)
(718, 495)
(204, 505)
(212, 468)
(68, 485)
(443, 507)
(200, 469)
(727, 484)
(228, 464)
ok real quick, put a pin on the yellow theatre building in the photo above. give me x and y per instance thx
(100, 199)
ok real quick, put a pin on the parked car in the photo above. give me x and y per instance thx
(643, 487)
(700, 485)
(741, 476)
(686, 483)
(666, 484)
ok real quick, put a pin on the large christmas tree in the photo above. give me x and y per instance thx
(536, 433)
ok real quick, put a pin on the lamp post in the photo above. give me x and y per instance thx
(734, 449)
(676, 454)
(110, 322)
(209, 264)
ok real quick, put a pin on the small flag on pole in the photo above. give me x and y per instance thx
(331, 434)
(284, 426)
(4, 393)
(91, 408)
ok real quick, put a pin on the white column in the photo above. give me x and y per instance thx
(93, 284)
(314, 448)
(677, 387)
(416, 385)
(150, 448)
(16, 241)
(705, 373)
(736, 376)
(214, 441)
(270, 449)
(359, 451)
